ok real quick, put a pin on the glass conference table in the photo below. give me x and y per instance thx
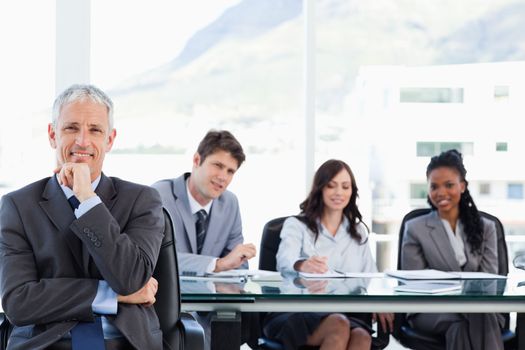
(371, 294)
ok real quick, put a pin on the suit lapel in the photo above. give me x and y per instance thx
(473, 260)
(58, 210)
(441, 241)
(106, 191)
(182, 206)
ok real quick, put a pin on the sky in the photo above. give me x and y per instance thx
(130, 37)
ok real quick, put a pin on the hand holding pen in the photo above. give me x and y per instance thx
(315, 263)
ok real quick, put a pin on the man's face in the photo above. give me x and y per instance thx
(82, 135)
(211, 178)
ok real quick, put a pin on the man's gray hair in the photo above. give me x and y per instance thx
(79, 92)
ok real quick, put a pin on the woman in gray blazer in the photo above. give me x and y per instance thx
(453, 237)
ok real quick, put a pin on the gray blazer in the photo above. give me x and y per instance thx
(426, 246)
(224, 227)
(51, 262)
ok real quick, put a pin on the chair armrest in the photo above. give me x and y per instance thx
(192, 332)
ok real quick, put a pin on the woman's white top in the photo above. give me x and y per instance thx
(344, 252)
(456, 240)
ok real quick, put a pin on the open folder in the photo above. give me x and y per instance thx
(430, 274)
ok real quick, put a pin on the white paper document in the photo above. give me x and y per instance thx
(430, 274)
(478, 275)
(261, 275)
(208, 278)
(340, 274)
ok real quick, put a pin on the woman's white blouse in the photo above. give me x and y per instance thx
(344, 252)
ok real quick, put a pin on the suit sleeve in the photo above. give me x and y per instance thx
(235, 237)
(291, 247)
(412, 257)
(489, 258)
(125, 256)
(27, 298)
(189, 261)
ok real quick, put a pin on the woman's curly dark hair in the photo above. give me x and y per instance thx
(468, 212)
(313, 206)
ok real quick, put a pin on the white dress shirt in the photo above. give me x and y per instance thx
(344, 253)
(194, 208)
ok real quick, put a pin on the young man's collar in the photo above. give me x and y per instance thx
(194, 205)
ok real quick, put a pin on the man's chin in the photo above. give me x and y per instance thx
(214, 194)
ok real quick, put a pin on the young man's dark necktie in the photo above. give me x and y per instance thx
(86, 335)
(200, 228)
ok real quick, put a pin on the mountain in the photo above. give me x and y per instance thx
(497, 36)
(243, 21)
(245, 70)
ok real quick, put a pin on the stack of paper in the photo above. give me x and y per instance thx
(429, 288)
(428, 274)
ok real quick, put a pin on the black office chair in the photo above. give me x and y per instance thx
(179, 330)
(267, 253)
(415, 339)
(5, 331)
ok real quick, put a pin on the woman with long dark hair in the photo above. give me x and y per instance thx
(328, 234)
(453, 237)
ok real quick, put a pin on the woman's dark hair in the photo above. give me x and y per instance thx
(468, 212)
(313, 206)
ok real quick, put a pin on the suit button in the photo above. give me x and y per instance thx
(97, 244)
(86, 230)
(90, 235)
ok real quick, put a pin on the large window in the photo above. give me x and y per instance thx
(429, 149)
(27, 83)
(393, 74)
(234, 65)
(395, 83)
(431, 95)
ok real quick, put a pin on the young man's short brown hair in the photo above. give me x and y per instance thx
(222, 140)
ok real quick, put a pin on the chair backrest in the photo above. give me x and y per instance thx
(5, 331)
(503, 258)
(166, 273)
(270, 244)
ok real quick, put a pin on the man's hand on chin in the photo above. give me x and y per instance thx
(76, 176)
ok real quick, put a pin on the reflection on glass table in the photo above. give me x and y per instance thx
(381, 287)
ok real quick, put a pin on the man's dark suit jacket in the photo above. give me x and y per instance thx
(51, 262)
